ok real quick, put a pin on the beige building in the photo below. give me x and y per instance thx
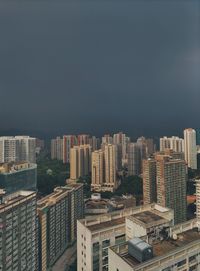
(174, 143)
(97, 233)
(57, 216)
(110, 167)
(98, 170)
(190, 148)
(80, 161)
(149, 181)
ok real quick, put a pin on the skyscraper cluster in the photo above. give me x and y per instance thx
(61, 147)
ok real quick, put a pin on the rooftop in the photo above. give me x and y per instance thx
(12, 167)
(59, 193)
(160, 248)
(107, 224)
(148, 218)
(7, 201)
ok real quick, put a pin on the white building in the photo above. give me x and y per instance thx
(174, 143)
(18, 148)
(190, 148)
(57, 148)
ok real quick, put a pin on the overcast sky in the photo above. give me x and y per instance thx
(69, 66)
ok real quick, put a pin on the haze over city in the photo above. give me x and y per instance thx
(99, 66)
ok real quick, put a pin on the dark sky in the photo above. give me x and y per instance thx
(100, 66)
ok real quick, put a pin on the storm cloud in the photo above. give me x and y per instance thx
(69, 66)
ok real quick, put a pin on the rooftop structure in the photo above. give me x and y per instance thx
(179, 249)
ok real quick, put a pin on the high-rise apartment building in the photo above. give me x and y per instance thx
(190, 148)
(94, 143)
(18, 148)
(107, 139)
(69, 141)
(110, 167)
(171, 185)
(120, 140)
(134, 159)
(83, 139)
(149, 181)
(98, 170)
(164, 182)
(57, 148)
(80, 161)
(57, 218)
(18, 176)
(18, 231)
(174, 143)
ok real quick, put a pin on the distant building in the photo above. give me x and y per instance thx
(18, 148)
(83, 139)
(94, 143)
(98, 170)
(80, 161)
(57, 218)
(57, 148)
(69, 141)
(111, 181)
(18, 176)
(107, 139)
(134, 159)
(18, 231)
(97, 205)
(174, 143)
(190, 148)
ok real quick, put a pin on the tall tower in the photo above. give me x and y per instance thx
(110, 166)
(69, 141)
(171, 185)
(57, 148)
(149, 181)
(97, 170)
(134, 159)
(80, 161)
(190, 148)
